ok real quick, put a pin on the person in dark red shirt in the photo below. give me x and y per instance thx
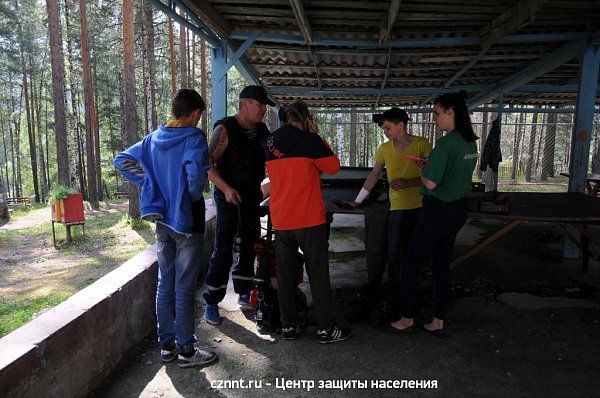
(295, 156)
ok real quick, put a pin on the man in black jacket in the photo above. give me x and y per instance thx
(237, 169)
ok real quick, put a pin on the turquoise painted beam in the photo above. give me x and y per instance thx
(408, 43)
(237, 55)
(584, 119)
(219, 87)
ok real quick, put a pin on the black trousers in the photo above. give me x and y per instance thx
(222, 257)
(313, 243)
(376, 219)
(434, 236)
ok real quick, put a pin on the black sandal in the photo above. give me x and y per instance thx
(388, 328)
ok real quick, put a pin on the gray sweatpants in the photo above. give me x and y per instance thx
(313, 243)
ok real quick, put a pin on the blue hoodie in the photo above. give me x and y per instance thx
(170, 165)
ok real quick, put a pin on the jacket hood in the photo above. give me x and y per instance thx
(166, 137)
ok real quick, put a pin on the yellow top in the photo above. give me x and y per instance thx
(176, 123)
(398, 166)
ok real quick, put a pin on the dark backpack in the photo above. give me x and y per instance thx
(267, 314)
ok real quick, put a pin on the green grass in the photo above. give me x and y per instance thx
(16, 314)
(93, 253)
(19, 211)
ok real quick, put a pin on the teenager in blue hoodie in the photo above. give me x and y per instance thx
(170, 165)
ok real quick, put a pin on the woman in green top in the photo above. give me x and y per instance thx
(446, 179)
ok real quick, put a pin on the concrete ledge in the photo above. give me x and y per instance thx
(70, 349)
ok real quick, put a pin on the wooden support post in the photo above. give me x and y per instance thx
(219, 86)
(583, 128)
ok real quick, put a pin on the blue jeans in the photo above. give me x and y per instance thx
(222, 257)
(179, 263)
(401, 224)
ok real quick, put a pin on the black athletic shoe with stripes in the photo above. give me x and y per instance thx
(333, 335)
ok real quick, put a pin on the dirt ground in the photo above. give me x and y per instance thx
(31, 267)
(522, 322)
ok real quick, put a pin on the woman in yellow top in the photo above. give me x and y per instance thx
(404, 180)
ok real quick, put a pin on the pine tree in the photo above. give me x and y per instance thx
(90, 117)
(130, 122)
(58, 90)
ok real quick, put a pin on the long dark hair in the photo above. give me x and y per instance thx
(298, 111)
(462, 120)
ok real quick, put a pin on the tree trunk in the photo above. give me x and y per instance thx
(88, 100)
(27, 76)
(203, 81)
(340, 138)
(8, 185)
(172, 56)
(183, 54)
(516, 147)
(567, 150)
(482, 139)
(47, 140)
(17, 147)
(97, 136)
(353, 137)
(72, 98)
(148, 21)
(531, 148)
(145, 78)
(29, 118)
(13, 160)
(596, 154)
(193, 61)
(363, 142)
(130, 121)
(4, 214)
(549, 143)
(58, 90)
(38, 110)
(366, 138)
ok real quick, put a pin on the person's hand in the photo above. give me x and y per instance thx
(346, 204)
(400, 183)
(233, 197)
(265, 188)
(312, 124)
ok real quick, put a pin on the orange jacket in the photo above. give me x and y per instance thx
(295, 160)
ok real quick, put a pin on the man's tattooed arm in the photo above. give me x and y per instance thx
(217, 143)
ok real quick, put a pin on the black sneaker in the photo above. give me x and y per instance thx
(333, 335)
(169, 352)
(290, 332)
(199, 358)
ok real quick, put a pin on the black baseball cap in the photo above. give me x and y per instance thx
(391, 114)
(257, 93)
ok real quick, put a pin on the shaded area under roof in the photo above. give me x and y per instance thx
(380, 53)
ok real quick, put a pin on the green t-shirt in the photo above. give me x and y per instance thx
(450, 166)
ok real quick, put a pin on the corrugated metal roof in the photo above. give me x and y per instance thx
(289, 64)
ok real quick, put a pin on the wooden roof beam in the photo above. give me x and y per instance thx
(388, 21)
(510, 21)
(210, 16)
(507, 22)
(302, 20)
(561, 55)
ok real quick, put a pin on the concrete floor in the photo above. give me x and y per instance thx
(523, 322)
